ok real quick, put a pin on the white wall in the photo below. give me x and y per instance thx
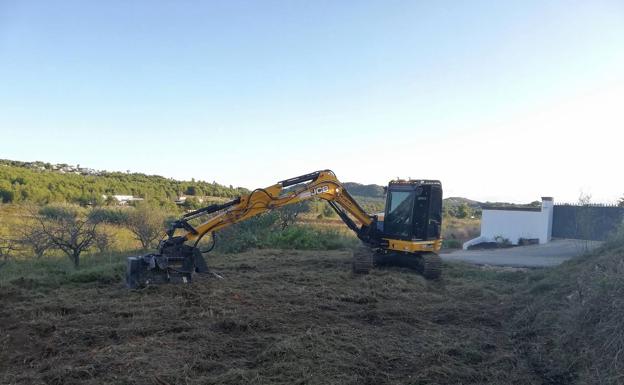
(516, 224)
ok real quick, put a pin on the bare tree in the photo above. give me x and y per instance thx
(69, 229)
(35, 239)
(584, 223)
(7, 246)
(147, 224)
(102, 242)
(287, 215)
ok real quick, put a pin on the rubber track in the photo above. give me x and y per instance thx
(431, 266)
(362, 260)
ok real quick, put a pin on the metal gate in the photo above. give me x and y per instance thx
(590, 222)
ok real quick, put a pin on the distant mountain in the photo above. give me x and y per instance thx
(458, 201)
(365, 190)
(377, 192)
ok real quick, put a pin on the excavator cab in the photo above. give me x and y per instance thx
(410, 228)
(413, 210)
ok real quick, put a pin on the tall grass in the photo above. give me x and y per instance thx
(50, 272)
(571, 320)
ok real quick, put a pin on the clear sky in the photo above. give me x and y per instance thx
(500, 100)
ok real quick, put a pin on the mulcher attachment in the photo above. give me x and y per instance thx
(175, 263)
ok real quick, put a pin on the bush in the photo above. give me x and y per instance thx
(309, 238)
(6, 196)
(251, 233)
(108, 273)
(112, 216)
(265, 231)
(616, 239)
(452, 244)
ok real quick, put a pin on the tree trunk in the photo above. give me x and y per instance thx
(76, 258)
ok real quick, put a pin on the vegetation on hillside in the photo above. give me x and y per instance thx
(20, 184)
(365, 190)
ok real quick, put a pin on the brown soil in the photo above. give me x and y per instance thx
(277, 318)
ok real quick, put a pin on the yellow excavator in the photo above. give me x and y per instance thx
(407, 233)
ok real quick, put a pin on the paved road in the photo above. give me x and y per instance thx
(550, 254)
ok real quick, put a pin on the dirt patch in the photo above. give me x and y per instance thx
(277, 317)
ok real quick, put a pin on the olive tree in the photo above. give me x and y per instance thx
(147, 223)
(287, 215)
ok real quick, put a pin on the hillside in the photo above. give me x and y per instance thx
(365, 190)
(40, 183)
(458, 201)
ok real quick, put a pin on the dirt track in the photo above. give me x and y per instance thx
(277, 318)
(547, 255)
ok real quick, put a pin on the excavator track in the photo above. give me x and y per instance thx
(431, 265)
(362, 260)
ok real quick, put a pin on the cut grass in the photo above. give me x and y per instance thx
(278, 317)
(284, 317)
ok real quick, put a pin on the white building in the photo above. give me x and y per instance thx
(516, 223)
(123, 199)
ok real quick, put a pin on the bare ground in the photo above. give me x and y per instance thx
(278, 317)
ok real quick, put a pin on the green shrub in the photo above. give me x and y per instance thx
(266, 231)
(106, 273)
(616, 239)
(251, 233)
(309, 238)
(452, 244)
(113, 216)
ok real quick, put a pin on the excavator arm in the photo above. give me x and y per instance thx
(178, 255)
(320, 184)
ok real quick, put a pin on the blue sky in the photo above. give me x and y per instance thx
(499, 100)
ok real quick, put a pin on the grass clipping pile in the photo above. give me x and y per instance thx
(285, 317)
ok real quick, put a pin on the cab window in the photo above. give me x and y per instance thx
(398, 221)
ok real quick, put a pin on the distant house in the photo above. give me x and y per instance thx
(515, 223)
(123, 199)
(182, 199)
